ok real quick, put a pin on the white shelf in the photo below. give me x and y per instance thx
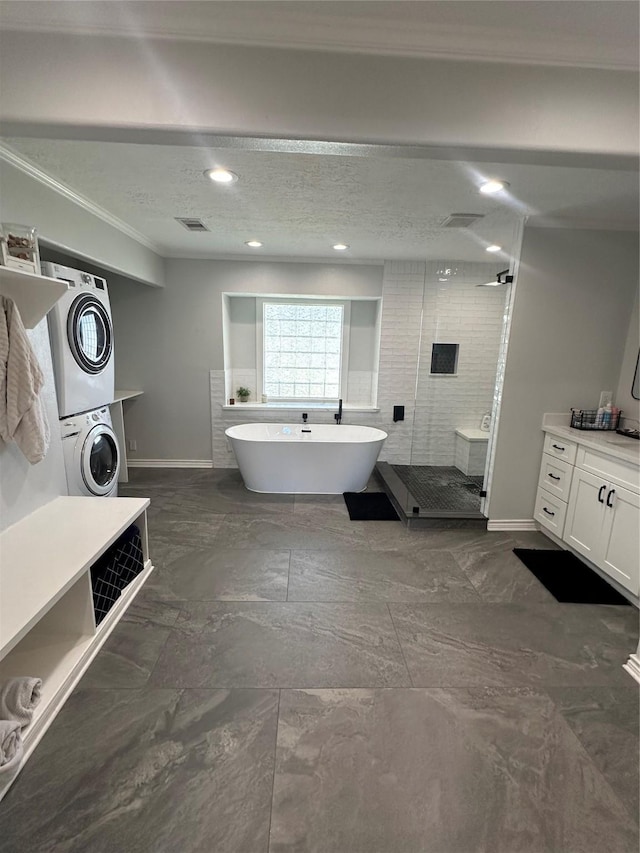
(125, 395)
(60, 659)
(43, 555)
(47, 623)
(34, 295)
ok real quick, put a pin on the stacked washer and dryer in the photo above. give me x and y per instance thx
(81, 333)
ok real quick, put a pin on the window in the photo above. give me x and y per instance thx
(303, 350)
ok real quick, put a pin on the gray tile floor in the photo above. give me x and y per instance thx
(289, 681)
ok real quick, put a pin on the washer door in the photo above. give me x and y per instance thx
(99, 460)
(89, 333)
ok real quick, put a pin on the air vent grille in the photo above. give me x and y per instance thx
(192, 224)
(461, 220)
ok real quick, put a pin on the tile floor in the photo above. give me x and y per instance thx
(289, 681)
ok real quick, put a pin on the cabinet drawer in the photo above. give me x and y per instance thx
(561, 448)
(616, 471)
(555, 476)
(550, 511)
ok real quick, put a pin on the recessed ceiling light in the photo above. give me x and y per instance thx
(255, 244)
(221, 176)
(493, 248)
(493, 186)
(340, 247)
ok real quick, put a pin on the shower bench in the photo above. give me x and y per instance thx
(47, 623)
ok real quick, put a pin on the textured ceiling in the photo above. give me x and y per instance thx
(299, 205)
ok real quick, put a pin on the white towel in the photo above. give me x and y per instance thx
(11, 748)
(23, 418)
(18, 699)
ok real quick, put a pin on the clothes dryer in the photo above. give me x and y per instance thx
(81, 333)
(91, 454)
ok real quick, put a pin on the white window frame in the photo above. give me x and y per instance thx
(345, 304)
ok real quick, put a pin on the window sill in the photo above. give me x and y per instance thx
(298, 407)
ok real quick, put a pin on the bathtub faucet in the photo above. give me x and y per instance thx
(304, 417)
(338, 414)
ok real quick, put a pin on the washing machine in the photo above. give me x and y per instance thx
(91, 454)
(81, 334)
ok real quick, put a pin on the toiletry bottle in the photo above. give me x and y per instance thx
(607, 417)
(600, 418)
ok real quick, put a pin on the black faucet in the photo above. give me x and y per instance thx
(304, 417)
(338, 414)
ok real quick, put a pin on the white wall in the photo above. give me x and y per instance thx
(623, 398)
(457, 311)
(109, 87)
(25, 487)
(65, 225)
(168, 340)
(574, 295)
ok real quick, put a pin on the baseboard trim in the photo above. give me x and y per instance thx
(633, 667)
(169, 463)
(506, 524)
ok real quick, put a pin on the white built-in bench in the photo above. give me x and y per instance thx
(471, 450)
(47, 623)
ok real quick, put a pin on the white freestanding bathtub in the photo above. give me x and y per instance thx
(315, 459)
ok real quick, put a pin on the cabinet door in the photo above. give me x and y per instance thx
(585, 514)
(621, 538)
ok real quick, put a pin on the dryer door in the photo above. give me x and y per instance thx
(100, 460)
(89, 333)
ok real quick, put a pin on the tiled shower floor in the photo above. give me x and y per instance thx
(290, 681)
(441, 487)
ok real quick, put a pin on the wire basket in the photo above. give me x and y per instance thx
(590, 419)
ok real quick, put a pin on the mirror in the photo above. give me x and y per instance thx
(635, 387)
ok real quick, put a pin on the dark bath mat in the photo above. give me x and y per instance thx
(567, 578)
(369, 506)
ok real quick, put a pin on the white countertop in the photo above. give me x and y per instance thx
(608, 442)
(120, 395)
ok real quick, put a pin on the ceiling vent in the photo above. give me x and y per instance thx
(461, 220)
(192, 224)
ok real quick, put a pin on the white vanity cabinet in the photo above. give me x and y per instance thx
(592, 502)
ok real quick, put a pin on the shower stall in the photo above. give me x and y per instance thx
(438, 477)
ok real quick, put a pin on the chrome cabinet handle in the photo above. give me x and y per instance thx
(553, 477)
(557, 447)
(609, 496)
(600, 493)
(548, 511)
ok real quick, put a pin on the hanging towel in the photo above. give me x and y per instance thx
(23, 418)
(18, 699)
(11, 750)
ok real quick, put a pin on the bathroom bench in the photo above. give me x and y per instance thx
(47, 623)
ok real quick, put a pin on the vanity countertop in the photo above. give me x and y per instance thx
(608, 442)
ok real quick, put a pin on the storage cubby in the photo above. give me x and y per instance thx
(47, 624)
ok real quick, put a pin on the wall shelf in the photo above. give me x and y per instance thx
(34, 295)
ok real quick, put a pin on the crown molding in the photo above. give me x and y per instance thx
(10, 156)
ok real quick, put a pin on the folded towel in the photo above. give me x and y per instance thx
(11, 747)
(18, 698)
(23, 418)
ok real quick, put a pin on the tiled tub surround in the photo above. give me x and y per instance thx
(417, 310)
(294, 681)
